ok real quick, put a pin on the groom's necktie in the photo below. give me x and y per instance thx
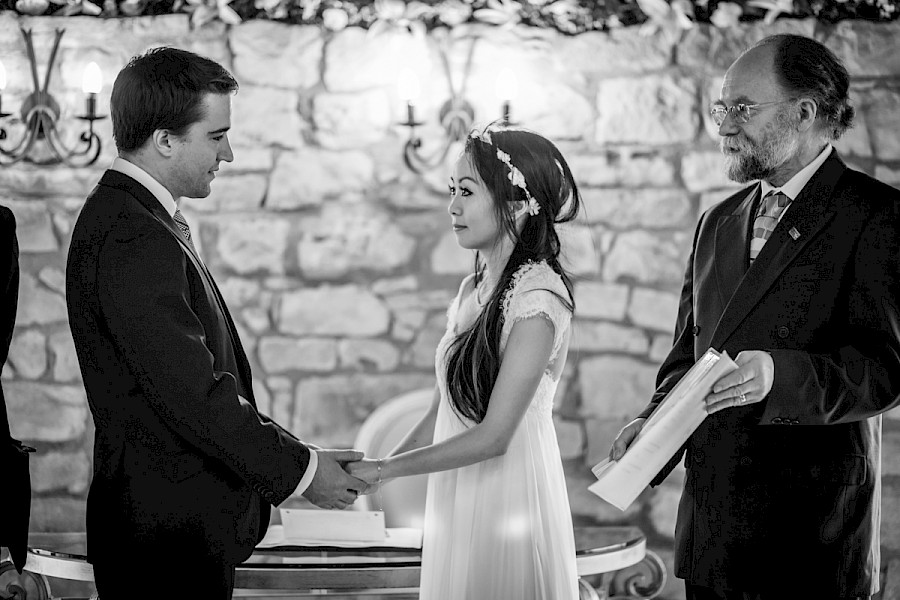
(183, 226)
(766, 219)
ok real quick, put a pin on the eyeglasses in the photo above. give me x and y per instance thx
(719, 111)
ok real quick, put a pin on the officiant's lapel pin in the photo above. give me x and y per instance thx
(794, 233)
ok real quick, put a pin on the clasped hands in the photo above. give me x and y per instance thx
(341, 476)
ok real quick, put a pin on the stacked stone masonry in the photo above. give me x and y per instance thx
(338, 262)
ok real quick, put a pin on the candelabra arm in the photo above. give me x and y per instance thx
(20, 151)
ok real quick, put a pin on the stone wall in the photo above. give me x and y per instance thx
(338, 262)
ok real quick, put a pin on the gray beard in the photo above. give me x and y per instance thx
(762, 161)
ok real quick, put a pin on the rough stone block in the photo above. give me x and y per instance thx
(368, 355)
(266, 116)
(65, 361)
(615, 387)
(60, 471)
(888, 175)
(890, 450)
(607, 337)
(890, 513)
(358, 60)
(703, 171)
(601, 300)
(449, 258)
(330, 410)
(706, 48)
(38, 305)
(653, 309)
(630, 208)
(882, 116)
(661, 109)
(252, 244)
(347, 121)
(867, 49)
(28, 354)
(621, 168)
(231, 193)
(280, 354)
(580, 251)
(46, 413)
(617, 52)
(570, 436)
(57, 514)
(277, 54)
(345, 238)
(646, 258)
(34, 226)
(332, 311)
(307, 177)
(421, 351)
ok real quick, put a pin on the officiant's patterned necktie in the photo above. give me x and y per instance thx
(183, 226)
(766, 220)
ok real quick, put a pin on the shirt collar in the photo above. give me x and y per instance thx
(145, 179)
(795, 184)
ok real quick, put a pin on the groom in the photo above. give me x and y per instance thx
(185, 468)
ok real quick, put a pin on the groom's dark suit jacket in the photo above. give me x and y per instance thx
(784, 495)
(182, 464)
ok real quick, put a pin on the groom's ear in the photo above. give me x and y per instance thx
(164, 142)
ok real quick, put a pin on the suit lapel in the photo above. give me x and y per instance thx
(730, 252)
(125, 183)
(808, 214)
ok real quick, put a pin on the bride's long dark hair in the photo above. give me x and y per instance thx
(474, 356)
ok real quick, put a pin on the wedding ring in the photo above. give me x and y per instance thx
(743, 399)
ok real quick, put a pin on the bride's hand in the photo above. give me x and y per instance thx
(368, 470)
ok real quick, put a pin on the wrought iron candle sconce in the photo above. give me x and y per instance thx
(40, 114)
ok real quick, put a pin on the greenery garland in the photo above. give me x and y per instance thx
(418, 16)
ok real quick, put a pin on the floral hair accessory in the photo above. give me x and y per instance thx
(484, 136)
(517, 179)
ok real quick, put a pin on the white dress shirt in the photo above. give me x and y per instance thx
(795, 184)
(165, 198)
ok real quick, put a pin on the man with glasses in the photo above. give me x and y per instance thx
(797, 277)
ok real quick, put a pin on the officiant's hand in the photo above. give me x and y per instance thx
(748, 384)
(332, 487)
(368, 471)
(625, 437)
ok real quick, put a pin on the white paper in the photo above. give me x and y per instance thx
(320, 525)
(668, 428)
(394, 537)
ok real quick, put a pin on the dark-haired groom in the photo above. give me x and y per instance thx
(185, 468)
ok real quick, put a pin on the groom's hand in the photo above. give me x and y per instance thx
(368, 471)
(332, 487)
(625, 437)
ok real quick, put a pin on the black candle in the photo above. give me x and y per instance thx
(91, 105)
(410, 113)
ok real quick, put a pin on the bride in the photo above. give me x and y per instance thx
(497, 519)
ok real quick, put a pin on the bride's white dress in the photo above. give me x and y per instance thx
(501, 529)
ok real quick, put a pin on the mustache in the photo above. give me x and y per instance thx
(735, 143)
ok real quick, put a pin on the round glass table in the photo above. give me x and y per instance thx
(612, 562)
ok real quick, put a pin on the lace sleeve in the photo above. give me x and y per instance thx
(537, 291)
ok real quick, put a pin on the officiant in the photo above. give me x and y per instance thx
(15, 499)
(797, 277)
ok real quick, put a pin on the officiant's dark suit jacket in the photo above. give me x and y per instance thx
(183, 462)
(15, 497)
(784, 494)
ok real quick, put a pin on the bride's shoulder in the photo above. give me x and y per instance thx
(533, 274)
